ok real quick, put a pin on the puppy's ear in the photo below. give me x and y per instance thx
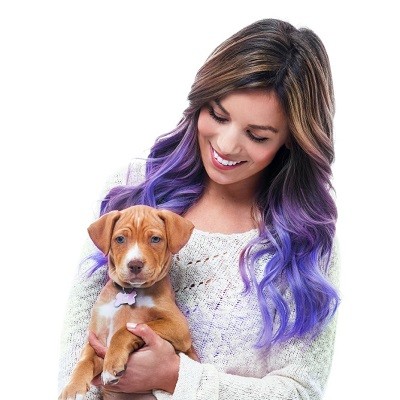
(101, 230)
(178, 229)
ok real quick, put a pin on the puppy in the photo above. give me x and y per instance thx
(139, 243)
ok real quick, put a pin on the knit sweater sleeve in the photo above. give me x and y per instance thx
(298, 369)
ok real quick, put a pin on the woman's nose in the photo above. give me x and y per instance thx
(228, 141)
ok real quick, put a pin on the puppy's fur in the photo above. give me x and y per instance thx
(139, 242)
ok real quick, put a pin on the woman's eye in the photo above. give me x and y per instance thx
(216, 117)
(120, 239)
(254, 138)
(155, 239)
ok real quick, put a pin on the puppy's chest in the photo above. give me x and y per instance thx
(112, 310)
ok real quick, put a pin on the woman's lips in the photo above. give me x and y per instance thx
(223, 163)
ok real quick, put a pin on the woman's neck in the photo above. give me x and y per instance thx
(236, 194)
(223, 209)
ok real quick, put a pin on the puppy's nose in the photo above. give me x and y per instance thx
(135, 266)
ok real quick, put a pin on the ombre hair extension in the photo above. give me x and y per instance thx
(297, 214)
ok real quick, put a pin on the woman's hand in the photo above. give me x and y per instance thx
(154, 366)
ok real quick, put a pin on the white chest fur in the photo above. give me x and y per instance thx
(142, 300)
(107, 312)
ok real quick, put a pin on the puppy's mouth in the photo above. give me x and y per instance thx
(136, 273)
(129, 281)
(126, 278)
(138, 284)
(146, 280)
(131, 275)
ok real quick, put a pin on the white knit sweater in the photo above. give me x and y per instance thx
(224, 322)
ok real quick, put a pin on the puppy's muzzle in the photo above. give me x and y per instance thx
(135, 266)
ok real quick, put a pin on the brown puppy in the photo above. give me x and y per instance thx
(139, 242)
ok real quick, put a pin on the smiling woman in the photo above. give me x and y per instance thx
(249, 165)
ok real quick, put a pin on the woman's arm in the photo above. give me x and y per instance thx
(298, 370)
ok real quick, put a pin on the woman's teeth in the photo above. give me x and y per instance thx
(223, 161)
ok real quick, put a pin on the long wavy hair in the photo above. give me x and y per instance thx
(298, 213)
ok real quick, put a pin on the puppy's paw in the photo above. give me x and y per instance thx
(114, 366)
(109, 378)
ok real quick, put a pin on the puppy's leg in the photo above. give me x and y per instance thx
(122, 344)
(176, 332)
(88, 366)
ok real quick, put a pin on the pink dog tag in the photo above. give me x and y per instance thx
(125, 298)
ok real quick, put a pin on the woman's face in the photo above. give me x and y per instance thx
(240, 134)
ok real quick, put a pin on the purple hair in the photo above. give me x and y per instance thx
(297, 212)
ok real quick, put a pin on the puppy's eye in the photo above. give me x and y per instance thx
(120, 239)
(155, 239)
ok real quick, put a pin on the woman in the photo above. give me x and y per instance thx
(250, 165)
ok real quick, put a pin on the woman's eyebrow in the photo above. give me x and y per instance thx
(261, 127)
(264, 128)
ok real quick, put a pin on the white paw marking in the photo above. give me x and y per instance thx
(107, 378)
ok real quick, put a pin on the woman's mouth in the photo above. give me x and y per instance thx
(221, 162)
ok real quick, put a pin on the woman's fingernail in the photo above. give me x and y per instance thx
(131, 325)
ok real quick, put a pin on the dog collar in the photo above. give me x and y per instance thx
(125, 296)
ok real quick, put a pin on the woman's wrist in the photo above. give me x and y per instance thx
(171, 375)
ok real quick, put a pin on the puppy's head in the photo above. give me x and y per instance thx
(139, 242)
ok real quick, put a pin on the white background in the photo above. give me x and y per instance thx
(85, 86)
